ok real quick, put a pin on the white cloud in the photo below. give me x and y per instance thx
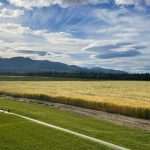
(14, 37)
(127, 2)
(45, 3)
(65, 3)
(13, 29)
(1, 4)
(10, 13)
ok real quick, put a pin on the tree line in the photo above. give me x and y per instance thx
(85, 75)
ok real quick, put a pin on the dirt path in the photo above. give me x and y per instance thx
(114, 118)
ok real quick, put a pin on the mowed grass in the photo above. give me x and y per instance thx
(130, 98)
(17, 132)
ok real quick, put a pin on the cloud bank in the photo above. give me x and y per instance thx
(46, 3)
(65, 3)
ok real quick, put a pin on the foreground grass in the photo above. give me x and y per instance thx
(123, 136)
(130, 98)
(18, 134)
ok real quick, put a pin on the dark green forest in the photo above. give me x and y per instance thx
(85, 75)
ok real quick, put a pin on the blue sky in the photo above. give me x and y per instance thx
(89, 33)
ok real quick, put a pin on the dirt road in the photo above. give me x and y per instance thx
(114, 118)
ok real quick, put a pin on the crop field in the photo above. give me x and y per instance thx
(17, 133)
(130, 98)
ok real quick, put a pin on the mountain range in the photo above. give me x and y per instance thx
(27, 65)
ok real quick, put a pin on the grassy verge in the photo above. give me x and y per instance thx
(103, 106)
(17, 133)
(123, 136)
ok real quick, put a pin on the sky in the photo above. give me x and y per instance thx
(89, 33)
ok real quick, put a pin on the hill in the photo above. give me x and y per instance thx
(26, 65)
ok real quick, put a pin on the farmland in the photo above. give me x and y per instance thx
(130, 98)
(17, 133)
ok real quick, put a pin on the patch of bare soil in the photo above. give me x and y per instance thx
(113, 118)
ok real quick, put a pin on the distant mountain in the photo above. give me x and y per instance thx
(99, 70)
(26, 65)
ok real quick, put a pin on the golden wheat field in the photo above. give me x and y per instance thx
(125, 97)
